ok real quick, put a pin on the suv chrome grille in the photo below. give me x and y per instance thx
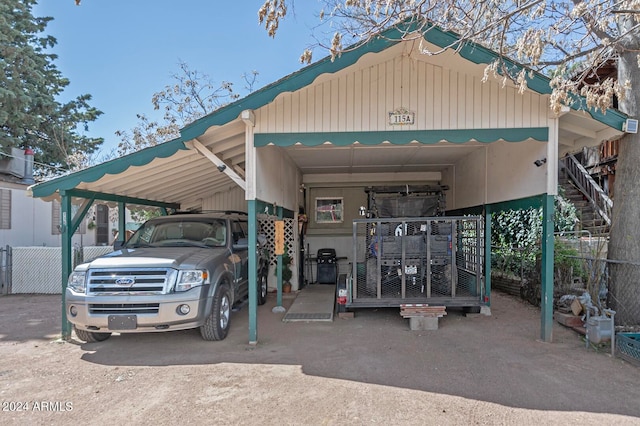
(124, 308)
(130, 281)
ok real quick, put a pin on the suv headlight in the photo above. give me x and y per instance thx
(76, 282)
(190, 279)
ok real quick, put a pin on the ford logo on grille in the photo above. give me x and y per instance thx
(125, 281)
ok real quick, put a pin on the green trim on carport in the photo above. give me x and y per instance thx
(403, 137)
(113, 167)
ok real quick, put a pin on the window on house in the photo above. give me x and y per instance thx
(5, 209)
(56, 221)
(329, 210)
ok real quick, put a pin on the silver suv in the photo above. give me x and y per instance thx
(176, 272)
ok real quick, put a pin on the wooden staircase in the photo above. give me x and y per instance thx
(592, 204)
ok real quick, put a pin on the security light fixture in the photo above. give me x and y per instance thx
(539, 163)
(222, 167)
(630, 126)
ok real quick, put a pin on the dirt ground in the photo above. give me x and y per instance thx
(371, 369)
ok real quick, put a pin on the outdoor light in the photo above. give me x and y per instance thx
(539, 163)
(222, 167)
(362, 211)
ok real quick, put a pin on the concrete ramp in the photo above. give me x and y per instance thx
(315, 302)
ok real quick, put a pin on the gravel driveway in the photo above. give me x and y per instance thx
(367, 370)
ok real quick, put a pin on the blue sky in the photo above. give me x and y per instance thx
(123, 51)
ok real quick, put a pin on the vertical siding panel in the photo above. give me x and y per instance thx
(469, 101)
(486, 105)
(341, 99)
(517, 109)
(364, 112)
(372, 108)
(295, 112)
(493, 102)
(411, 83)
(535, 110)
(328, 112)
(502, 106)
(356, 107)
(287, 119)
(477, 103)
(462, 97)
(304, 124)
(318, 108)
(446, 98)
(526, 109)
(387, 96)
(273, 113)
(436, 101)
(510, 107)
(347, 117)
(428, 96)
(311, 109)
(421, 95)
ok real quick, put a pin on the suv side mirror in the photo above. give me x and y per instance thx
(241, 244)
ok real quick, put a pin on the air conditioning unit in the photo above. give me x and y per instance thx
(13, 164)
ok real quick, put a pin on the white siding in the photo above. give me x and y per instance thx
(231, 198)
(360, 98)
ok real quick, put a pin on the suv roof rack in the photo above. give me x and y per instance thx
(209, 211)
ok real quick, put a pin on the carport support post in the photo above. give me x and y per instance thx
(253, 274)
(547, 268)
(66, 231)
(122, 222)
(487, 254)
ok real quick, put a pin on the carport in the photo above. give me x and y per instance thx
(384, 112)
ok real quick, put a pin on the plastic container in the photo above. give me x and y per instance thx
(628, 346)
(599, 329)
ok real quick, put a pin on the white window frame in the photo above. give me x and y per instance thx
(339, 212)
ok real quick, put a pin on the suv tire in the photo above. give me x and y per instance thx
(90, 336)
(262, 288)
(216, 326)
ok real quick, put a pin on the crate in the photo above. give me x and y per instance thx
(628, 347)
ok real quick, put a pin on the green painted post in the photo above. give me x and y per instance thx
(66, 234)
(253, 274)
(122, 222)
(546, 332)
(487, 254)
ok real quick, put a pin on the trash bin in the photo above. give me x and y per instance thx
(327, 266)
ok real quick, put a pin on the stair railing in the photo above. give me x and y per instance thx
(600, 202)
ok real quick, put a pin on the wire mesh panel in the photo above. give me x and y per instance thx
(417, 260)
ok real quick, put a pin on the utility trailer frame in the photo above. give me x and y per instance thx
(429, 260)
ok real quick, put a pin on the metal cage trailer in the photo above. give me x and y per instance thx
(427, 260)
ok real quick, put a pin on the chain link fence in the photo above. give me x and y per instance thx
(38, 270)
(581, 266)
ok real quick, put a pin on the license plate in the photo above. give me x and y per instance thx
(123, 322)
(411, 269)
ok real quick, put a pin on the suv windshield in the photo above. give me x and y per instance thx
(180, 232)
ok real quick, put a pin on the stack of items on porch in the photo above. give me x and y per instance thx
(580, 314)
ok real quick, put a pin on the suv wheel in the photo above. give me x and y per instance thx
(90, 336)
(216, 326)
(262, 288)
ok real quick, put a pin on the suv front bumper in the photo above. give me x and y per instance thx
(137, 313)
